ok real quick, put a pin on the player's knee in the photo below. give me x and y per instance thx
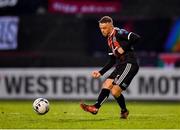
(108, 84)
(116, 91)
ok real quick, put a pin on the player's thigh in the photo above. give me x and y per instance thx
(116, 91)
(126, 74)
(108, 84)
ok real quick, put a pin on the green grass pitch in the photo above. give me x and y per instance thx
(68, 115)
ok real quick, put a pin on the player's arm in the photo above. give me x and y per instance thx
(127, 38)
(133, 38)
(130, 37)
(111, 61)
(120, 50)
(109, 64)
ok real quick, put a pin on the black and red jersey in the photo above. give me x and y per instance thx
(124, 39)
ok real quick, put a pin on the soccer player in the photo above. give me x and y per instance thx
(121, 53)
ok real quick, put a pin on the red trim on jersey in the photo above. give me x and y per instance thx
(110, 40)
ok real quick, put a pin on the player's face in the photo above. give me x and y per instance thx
(105, 28)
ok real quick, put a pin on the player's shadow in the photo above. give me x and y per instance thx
(81, 120)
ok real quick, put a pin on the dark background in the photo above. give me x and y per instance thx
(48, 39)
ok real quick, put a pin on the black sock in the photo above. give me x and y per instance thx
(121, 101)
(104, 94)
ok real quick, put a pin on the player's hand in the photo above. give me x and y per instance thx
(95, 74)
(120, 50)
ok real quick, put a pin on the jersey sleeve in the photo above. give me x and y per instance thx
(127, 38)
(109, 64)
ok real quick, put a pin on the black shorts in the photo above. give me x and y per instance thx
(123, 74)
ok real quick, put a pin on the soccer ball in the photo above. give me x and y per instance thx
(41, 106)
